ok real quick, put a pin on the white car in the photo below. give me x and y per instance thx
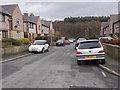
(71, 40)
(90, 50)
(39, 46)
(105, 38)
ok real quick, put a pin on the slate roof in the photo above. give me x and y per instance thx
(114, 18)
(105, 24)
(46, 23)
(9, 8)
(33, 19)
(2, 10)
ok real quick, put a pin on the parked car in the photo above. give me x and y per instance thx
(105, 38)
(90, 50)
(78, 41)
(67, 42)
(71, 40)
(39, 46)
(60, 43)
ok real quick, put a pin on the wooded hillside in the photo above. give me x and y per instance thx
(74, 27)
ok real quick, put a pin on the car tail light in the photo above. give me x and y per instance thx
(102, 51)
(77, 44)
(78, 53)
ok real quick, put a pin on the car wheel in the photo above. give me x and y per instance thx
(43, 50)
(79, 62)
(30, 51)
(48, 50)
(103, 61)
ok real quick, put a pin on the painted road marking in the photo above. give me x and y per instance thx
(103, 73)
(109, 70)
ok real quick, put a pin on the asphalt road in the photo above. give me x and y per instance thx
(55, 69)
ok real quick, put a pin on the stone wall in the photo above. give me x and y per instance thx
(10, 50)
(112, 50)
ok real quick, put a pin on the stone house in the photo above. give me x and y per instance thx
(32, 26)
(112, 27)
(47, 28)
(12, 22)
(5, 24)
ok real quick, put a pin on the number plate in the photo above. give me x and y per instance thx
(90, 56)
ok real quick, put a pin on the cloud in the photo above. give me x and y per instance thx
(60, 10)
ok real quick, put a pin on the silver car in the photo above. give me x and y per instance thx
(90, 50)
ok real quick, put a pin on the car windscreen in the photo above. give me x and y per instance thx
(60, 41)
(39, 43)
(82, 39)
(89, 45)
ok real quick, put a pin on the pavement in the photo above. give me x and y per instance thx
(113, 65)
(14, 56)
(56, 69)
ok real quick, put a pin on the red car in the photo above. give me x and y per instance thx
(67, 42)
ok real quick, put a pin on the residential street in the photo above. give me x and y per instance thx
(55, 69)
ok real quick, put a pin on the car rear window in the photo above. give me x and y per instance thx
(89, 45)
(39, 42)
(60, 41)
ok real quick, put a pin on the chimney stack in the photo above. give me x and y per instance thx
(26, 14)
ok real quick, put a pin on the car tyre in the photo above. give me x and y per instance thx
(43, 50)
(103, 61)
(48, 50)
(79, 62)
(30, 51)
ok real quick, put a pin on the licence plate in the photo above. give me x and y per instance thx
(90, 56)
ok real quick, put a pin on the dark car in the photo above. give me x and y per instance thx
(78, 41)
(60, 43)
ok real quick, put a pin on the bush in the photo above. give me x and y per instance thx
(14, 41)
(42, 38)
(24, 41)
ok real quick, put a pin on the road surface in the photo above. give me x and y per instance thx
(55, 69)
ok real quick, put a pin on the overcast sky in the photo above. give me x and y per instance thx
(60, 10)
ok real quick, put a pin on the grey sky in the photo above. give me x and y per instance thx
(60, 10)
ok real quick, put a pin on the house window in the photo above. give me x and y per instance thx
(26, 34)
(42, 31)
(32, 25)
(2, 18)
(18, 21)
(4, 34)
(39, 27)
(17, 34)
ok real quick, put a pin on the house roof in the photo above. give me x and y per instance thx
(2, 10)
(114, 18)
(104, 24)
(32, 19)
(9, 8)
(46, 23)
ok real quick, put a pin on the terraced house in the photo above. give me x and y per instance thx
(11, 22)
(112, 27)
(47, 28)
(32, 26)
